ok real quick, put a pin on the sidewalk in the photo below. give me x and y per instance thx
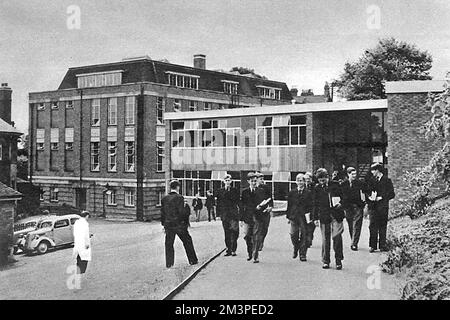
(278, 276)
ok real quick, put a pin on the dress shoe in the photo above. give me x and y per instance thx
(193, 262)
(295, 255)
(168, 267)
(302, 258)
(371, 250)
(256, 260)
(354, 248)
(234, 254)
(227, 254)
(325, 266)
(338, 265)
(249, 258)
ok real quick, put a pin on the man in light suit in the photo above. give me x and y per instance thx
(82, 243)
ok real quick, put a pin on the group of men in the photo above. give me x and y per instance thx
(317, 201)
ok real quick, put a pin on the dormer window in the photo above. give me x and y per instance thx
(41, 106)
(182, 80)
(54, 105)
(269, 92)
(230, 87)
(100, 79)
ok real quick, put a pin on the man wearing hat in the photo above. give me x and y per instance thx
(228, 210)
(175, 222)
(382, 190)
(327, 209)
(248, 207)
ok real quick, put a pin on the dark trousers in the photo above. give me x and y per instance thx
(378, 218)
(354, 217)
(231, 230)
(182, 233)
(248, 231)
(260, 228)
(299, 237)
(197, 214)
(332, 230)
(310, 228)
(81, 265)
(211, 212)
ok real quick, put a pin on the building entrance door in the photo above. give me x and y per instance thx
(80, 198)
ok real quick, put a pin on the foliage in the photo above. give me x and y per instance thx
(245, 70)
(390, 60)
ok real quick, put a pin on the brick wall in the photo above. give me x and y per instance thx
(6, 229)
(407, 147)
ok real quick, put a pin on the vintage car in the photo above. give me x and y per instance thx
(22, 228)
(52, 232)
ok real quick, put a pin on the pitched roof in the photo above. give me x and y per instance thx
(7, 192)
(147, 70)
(7, 128)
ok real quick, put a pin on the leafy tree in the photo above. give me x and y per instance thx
(244, 70)
(390, 60)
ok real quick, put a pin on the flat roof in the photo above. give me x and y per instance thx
(281, 109)
(415, 86)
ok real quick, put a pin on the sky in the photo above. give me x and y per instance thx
(301, 42)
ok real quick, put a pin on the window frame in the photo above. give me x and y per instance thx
(112, 155)
(160, 145)
(95, 112)
(130, 117)
(112, 111)
(95, 154)
(160, 110)
(130, 166)
(130, 194)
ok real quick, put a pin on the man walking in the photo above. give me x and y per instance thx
(209, 204)
(264, 192)
(353, 202)
(299, 214)
(310, 227)
(197, 205)
(328, 210)
(174, 221)
(248, 207)
(82, 243)
(228, 210)
(263, 198)
(382, 191)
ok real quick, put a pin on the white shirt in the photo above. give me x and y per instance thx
(82, 238)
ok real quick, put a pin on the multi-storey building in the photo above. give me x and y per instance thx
(99, 141)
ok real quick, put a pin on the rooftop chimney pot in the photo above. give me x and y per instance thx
(200, 61)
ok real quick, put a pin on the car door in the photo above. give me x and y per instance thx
(62, 232)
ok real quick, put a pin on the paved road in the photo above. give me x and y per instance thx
(278, 276)
(128, 263)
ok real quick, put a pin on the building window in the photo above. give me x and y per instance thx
(112, 156)
(69, 146)
(270, 93)
(176, 105)
(40, 146)
(95, 156)
(54, 146)
(182, 80)
(54, 194)
(207, 106)
(112, 111)
(160, 156)
(54, 105)
(41, 106)
(160, 110)
(41, 195)
(111, 197)
(129, 156)
(130, 104)
(230, 87)
(130, 197)
(111, 78)
(193, 105)
(95, 112)
(282, 131)
(69, 104)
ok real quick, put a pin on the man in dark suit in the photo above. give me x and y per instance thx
(197, 205)
(382, 191)
(267, 192)
(228, 210)
(174, 221)
(353, 202)
(327, 209)
(310, 227)
(298, 213)
(209, 204)
(248, 207)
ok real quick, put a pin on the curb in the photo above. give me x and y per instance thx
(186, 281)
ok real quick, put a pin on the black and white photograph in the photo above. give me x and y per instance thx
(225, 154)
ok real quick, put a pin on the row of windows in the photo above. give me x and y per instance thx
(271, 93)
(182, 81)
(100, 80)
(54, 105)
(130, 106)
(130, 196)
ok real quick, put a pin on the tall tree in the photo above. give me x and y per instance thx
(390, 60)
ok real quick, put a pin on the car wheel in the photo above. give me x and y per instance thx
(43, 247)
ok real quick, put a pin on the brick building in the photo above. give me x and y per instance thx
(98, 141)
(408, 149)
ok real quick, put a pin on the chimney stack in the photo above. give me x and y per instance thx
(200, 61)
(5, 102)
(294, 92)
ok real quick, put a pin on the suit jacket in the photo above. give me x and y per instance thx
(210, 201)
(248, 205)
(197, 204)
(173, 213)
(352, 195)
(228, 204)
(322, 209)
(82, 238)
(298, 204)
(263, 193)
(384, 189)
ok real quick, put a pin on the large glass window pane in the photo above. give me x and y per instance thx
(284, 136)
(377, 126)
(219, 138)
(234, 123)
(261, 132)
(294, 136)
(281, 190)
(298, 120)
(302, 135)
(189, 188)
